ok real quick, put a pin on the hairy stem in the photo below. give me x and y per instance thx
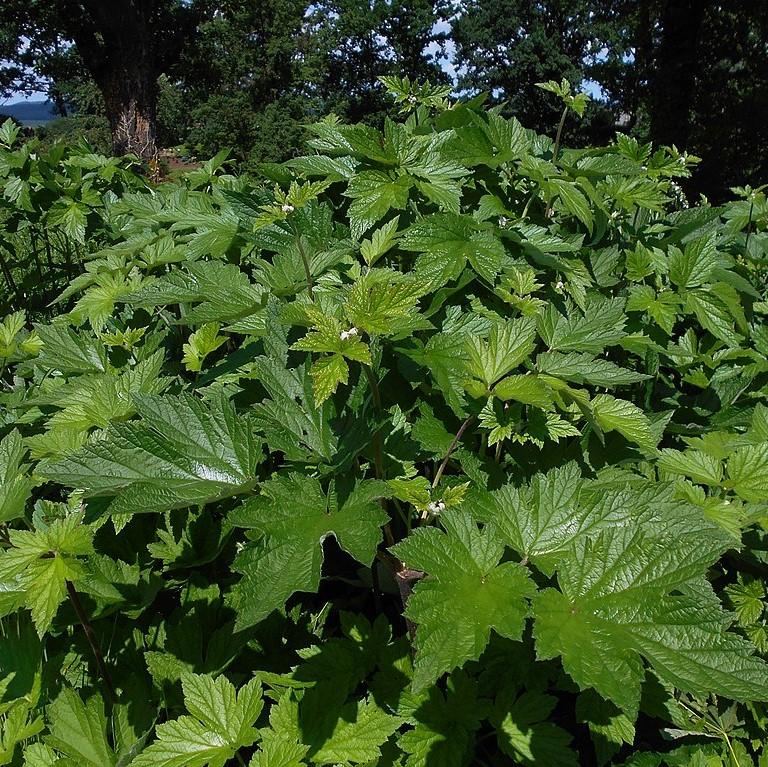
(74, 597)
(459, 434)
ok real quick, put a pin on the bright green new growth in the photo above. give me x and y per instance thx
(441, 445)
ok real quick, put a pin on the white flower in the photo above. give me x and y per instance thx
(287, 208)
(559, 285)
(412, 99)
(435, 507)
(503, 221)
(345, 334)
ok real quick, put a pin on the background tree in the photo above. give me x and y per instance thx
(507, 46)
(124, 45)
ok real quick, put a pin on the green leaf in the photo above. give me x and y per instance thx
(447, 242)
(621, 415)
(445, 724)
(356, 736)
(693, 267)
(524, 734)
(509, 343)
(748, 472)
(15, 486)
(466, 594)
(327, 373)
(601, 325)
(573, 200)
(42, 561)
(623, 595)
(221, 722)
(584, 368)
(79, 730)
(182, 452)
(290, 419)
(201, 343)
(290, 519)
(528, 389)
(380, 242)
(70, 352)
(374, 193)
(696, 464)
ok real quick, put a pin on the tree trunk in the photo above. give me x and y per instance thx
(674, 77)
(121, 44)
(130, 98)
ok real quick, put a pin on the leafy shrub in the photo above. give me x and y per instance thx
(51, 213)
(450, 448)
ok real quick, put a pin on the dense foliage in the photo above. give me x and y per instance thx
(248, 74)
(446, 446)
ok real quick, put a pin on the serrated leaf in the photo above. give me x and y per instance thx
(573, 201)
(448, 242)
(524, 734)
(221, 722)
(200, 344)
(374, 193)
(79, 730)
(182, 452)
(696, 464)
(601, 325)
(618, 600)
(748, 472)
(621, 415)
(509, 343)
(291, 519)
(356, 736)
(584, 368)
(466, 594)
(15, 486)
(70, 352)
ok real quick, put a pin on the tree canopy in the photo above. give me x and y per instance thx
(249, 74)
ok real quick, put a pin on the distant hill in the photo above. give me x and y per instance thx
(29, 112)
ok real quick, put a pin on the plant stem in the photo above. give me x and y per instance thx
(749, 226)
(556, 150)
(74, 597)
(459, 433)
(307, 270)
(376, 397)
(240, 759)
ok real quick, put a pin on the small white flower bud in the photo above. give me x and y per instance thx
(287, 208)
(503, 221)
(412, 99)
(559, 285)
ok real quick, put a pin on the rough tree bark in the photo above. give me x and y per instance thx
(126, 45)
